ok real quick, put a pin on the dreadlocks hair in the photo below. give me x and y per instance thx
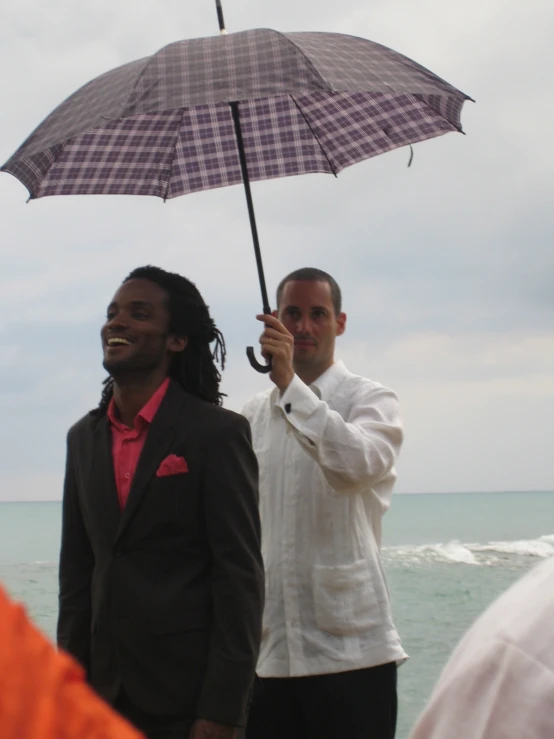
(312, 274)
(194, 368)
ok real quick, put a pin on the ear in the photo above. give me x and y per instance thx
(341, 323)
(177, 343)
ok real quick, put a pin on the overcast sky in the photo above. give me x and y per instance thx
(447, 268)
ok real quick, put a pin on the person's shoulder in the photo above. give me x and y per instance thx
(354, 393)
(359, 384)
(524, 612)
(214, 416)
(84, 425)
(256, 403)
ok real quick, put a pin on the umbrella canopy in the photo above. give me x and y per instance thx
(218, 111)
(162, 125)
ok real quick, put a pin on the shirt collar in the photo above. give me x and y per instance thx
(146, 414)
(327, 382)
(324, 385)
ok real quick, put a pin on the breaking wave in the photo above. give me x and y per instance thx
(456, 552)
(521, 551)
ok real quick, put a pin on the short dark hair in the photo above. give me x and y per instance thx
(312, 274)
(194, 368)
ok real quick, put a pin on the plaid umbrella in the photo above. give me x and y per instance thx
(253, 105)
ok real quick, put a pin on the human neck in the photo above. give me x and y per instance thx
(132, 392)
(309, 374)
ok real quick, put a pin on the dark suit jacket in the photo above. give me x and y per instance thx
(166, 597)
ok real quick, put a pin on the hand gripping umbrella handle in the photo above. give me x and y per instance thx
(263, 368)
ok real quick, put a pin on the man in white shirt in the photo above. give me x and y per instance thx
(499, 681)
(327, 442)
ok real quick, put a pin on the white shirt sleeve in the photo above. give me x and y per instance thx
(248, 409)
(353, 454)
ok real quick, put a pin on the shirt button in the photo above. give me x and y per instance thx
(127, 475)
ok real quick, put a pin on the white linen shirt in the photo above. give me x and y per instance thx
(326, 455)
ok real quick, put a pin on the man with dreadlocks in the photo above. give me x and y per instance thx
(161, 576)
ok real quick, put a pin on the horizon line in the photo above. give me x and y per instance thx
(404, 492)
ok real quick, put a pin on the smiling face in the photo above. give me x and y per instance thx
(306, 310)
(135, 336)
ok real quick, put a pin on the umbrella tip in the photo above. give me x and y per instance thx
(222, 32)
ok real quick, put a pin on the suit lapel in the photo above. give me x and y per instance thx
(102, 478)
(159, 439)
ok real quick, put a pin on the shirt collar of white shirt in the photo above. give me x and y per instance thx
(324, 385)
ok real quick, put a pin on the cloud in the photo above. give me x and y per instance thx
(9, 355)
(446, 267)
(475, 408)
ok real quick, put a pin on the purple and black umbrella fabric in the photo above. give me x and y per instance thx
(218, 111)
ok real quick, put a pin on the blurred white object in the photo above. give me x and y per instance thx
(499, 681)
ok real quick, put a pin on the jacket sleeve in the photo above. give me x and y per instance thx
(355, 453)
(75, 573)
(237, 577)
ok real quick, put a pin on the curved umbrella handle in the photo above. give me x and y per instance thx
(263, 368)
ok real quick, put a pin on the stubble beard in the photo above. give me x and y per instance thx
(318, 362)
(134, 367)
(304, 361)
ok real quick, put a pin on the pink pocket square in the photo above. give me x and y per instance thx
(172, 465)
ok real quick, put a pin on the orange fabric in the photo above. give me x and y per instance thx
(43, 693)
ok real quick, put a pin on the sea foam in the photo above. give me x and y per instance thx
(456, 552)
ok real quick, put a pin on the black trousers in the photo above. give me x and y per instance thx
(360, 704)
(152, 726)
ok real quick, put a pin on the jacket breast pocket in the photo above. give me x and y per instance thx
(172, 496)
(345, 599)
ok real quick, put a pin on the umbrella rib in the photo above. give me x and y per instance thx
(306, 58)
(330, 163)
(166, 195)
(148, 61)
(459, 128)
(33, 195)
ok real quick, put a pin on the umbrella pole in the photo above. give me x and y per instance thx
(220, 20)
(249, 202)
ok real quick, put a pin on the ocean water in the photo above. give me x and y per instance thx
(447, 557)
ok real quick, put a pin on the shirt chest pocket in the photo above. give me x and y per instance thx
(344, 598)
